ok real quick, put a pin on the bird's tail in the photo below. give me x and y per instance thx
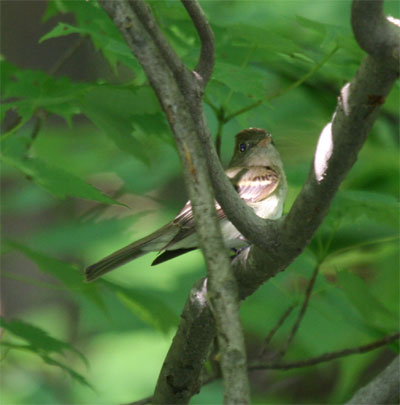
(113, 261)
(154, 242)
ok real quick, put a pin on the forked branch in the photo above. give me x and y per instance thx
(276, 243)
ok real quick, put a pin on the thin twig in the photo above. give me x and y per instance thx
(285, 90)
(170, 57)
(306, 76)
(295, 327)
(66, 55)
(211, 104)
(271, 334)
(218, 138)
(205, 64)
(327, 356)
(307, 362)
(242, 110)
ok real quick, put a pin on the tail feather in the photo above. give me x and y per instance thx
(154, 242)
(113, 261)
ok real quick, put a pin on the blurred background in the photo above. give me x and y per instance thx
(89, 165)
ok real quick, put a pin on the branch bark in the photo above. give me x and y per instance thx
(383, 389)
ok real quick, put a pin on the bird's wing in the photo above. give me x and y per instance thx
(253, 185)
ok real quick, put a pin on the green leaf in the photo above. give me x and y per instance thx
(245, 81)
(369, 307)
(50, 361)
(39, 339)
(68, 274)
(54, 8)
(93, 21)
(313, 25)
(351, 205)
(352, 254)
(61, 30)
(53, 179)
(113, 110)
(76, 376)
(27, 90)
(149, 308)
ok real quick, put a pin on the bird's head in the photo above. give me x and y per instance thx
(254, 147)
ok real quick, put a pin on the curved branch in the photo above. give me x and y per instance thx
(374, 32)
(205, 64)
(146, 18)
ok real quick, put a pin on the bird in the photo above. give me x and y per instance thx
(257, 174)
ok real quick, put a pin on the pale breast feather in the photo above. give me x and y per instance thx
(257, 183)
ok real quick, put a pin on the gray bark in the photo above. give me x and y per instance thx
(383, 389)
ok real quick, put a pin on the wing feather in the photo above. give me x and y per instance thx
(253, 185)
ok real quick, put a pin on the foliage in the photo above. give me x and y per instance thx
(74, 190)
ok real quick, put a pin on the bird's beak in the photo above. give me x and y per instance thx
(264, 142)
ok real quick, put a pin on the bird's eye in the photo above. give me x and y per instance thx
(242, 147)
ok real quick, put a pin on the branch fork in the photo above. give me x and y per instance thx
(275, 243)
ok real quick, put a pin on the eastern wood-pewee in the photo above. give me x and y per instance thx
(256, 171)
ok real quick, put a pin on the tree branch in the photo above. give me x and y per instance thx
(286, 238)
(205, 64)
(144, 14)
(296, 325)
(179, 92)
(383, 389)
(276, 327)
(385, 385)
(277, 243)
(375, 33)
(327, 356)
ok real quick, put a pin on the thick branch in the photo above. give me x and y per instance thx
(374, 32)
(383, 389)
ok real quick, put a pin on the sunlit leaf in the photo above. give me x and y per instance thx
(38, 339)
(149, 308)
(49, 360)
(113, 111)
(246, 81)
(54, 179)
(68, 274)
(371, 309)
